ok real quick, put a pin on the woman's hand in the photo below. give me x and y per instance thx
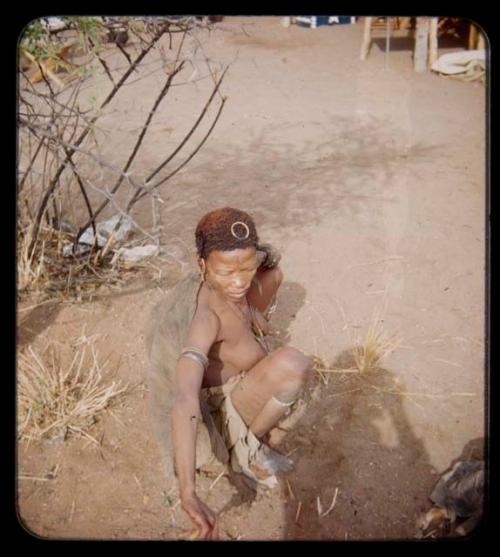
(204, 518)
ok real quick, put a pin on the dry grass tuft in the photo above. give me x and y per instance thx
(31, 271)
(320, 367)
(55, 400)
(366, 355)
(48, 274)
(376, 346)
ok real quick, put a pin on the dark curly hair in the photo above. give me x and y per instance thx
(213, 231)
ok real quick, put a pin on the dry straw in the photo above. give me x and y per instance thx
(46, 273)
(376, 346)
(30, 268)
(368, 354)
(55, 400)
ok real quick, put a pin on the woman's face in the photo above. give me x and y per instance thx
(231, 272)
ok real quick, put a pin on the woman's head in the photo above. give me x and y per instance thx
(226, 241)
(225, 229)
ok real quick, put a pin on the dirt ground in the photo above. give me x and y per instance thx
(371, 181)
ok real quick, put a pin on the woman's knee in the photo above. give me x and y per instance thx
(294, 365)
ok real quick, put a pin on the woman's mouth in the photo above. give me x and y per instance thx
(239, 293)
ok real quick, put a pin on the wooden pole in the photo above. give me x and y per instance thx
(421, 45)
(473, 36)
(367, 38)
(388, 24)
(481, 43)
(433, 40)
(404, 22)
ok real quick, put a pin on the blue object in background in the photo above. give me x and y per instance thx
(313, 21)
(346, 19)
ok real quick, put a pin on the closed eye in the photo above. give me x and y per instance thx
(229, 273)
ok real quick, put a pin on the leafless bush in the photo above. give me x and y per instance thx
(65, 183)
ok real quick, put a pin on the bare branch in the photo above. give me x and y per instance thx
(119, 210)
(44, 132)
(161, 96)
(32, 161)
(42, 72)
(86, 199)
(102, 62)
(124, 52)
(150, 188)
(70, 140)
(181, 144)
(191, 131)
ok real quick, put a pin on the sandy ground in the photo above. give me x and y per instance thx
(371, 181)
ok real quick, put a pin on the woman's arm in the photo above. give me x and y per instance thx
(185, 417)
(267, 280)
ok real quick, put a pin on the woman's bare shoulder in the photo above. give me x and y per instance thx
(205, 325)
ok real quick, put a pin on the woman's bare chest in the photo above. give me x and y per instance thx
(236, 344)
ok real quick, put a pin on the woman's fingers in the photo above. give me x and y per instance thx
(204, 527)
(211, 532)
(203, 517)
(215, 531)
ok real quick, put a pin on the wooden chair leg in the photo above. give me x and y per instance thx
(367, 38)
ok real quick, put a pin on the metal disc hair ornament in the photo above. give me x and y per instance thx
(247, 230)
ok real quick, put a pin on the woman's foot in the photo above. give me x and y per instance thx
(270, 462)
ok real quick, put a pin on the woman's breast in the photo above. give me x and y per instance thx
(226, 360)
(235, 349)
(241, 355)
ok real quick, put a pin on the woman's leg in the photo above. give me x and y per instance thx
(261, 396)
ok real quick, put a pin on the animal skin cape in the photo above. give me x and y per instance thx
(165, 337)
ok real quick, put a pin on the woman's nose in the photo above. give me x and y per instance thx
(238, 281)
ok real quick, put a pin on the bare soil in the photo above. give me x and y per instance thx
(371, 181)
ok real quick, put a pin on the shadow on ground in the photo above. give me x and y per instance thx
(355, 441)
(337, 175)
(33, 322)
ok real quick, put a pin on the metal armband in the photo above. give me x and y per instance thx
(196, 355)
(287, 403)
